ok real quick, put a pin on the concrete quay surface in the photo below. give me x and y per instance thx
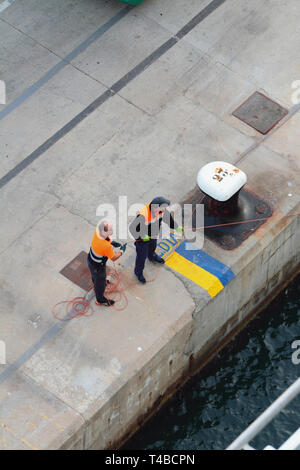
(105, 100)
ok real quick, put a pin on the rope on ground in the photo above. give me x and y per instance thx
(82, 307)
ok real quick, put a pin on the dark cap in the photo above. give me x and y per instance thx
(160, 201)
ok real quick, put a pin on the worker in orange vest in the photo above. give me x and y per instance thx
(145, 229)
(100, 251)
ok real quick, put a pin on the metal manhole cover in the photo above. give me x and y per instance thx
(78, 271)
(260, 112)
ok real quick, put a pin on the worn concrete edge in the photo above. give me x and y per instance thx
(271, 244)
(236, 323)
(211, 348)
(222, 337)
(74, 430)
(166, 353)
(196, 361)
(290, 268)
(75, 434)
(106, 401)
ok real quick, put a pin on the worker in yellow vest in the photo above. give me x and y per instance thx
(145, 229)
(100, 251)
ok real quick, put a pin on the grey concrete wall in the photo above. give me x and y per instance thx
(177, 355)
(148, 387)
(269, 268)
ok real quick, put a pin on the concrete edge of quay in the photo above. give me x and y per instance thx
(191, 344)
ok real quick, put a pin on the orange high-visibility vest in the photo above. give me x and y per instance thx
(146, 212)
(101, 249)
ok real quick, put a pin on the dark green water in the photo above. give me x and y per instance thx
(215, 406)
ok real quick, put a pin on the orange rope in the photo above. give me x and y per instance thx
(77, 307)
(81, 306)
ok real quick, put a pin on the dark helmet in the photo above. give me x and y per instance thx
(159, 201)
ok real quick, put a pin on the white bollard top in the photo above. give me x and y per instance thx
(221, 180)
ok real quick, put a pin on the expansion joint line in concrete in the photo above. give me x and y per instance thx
(294, 110)
(26, 230)
(114, 89)
(76, 412)
(64, 61)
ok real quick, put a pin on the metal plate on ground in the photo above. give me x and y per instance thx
(260, 112)
(227, 232)
(78, 271)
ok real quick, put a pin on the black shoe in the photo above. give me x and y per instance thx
(157, 259)
(106, 302)
(141, 278)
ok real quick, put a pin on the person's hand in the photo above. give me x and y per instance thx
(146, 238)
(123, 248)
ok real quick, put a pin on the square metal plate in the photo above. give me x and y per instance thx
(227, 232)
(260, 112)
(78, 271)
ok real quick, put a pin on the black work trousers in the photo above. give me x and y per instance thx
(98, 274)
(144, 250)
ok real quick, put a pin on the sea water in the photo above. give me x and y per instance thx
(217, 404)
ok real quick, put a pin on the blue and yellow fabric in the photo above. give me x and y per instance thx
(196, 265)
